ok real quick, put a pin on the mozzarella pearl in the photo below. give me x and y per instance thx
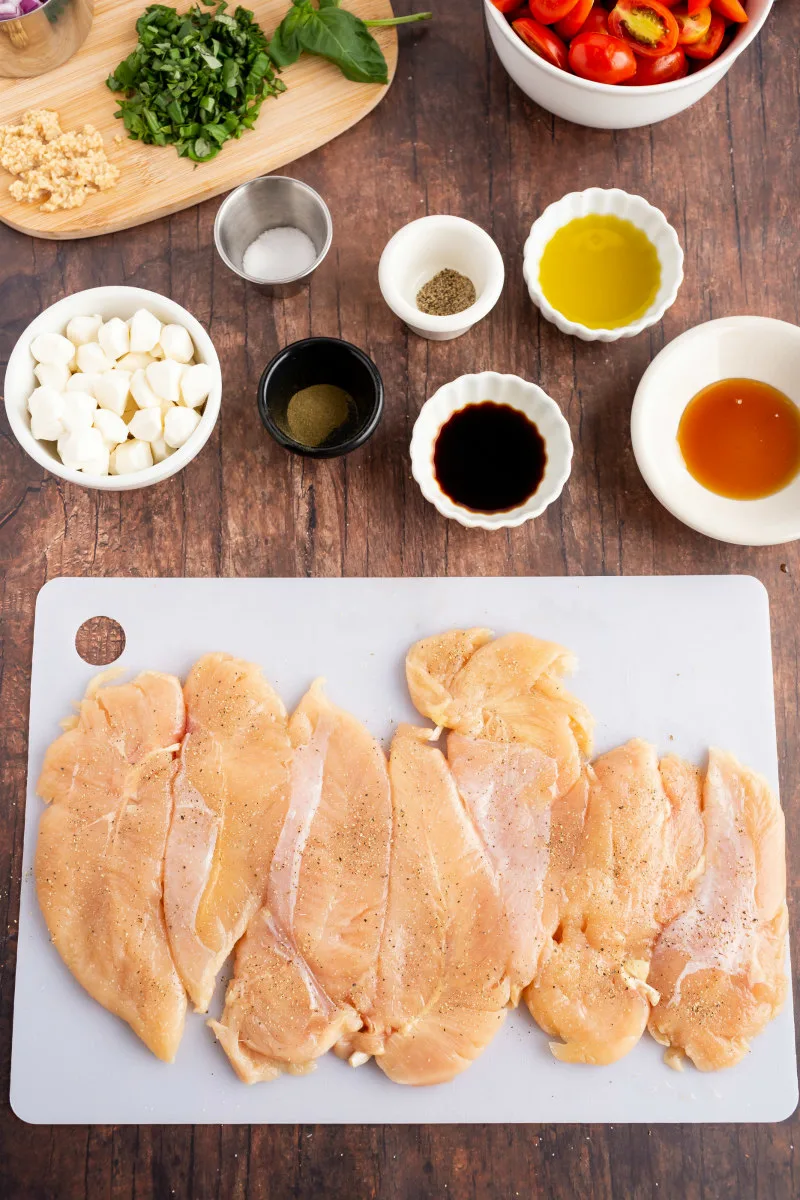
(112, 428)
(46, 407)
(145, 330)
(196, 383)
(79, 410)
(84, 446)
(112, 390)
(52, 348)
(92, 359)
(53, 375)
(143, 394)
(165, 379)
(80, 382)
(132, 456)
(84, 329)
(179, 425)
(114, 338)
(135, 361)
(146, 424)
(176, 342)
(99, 465)
(160, 449)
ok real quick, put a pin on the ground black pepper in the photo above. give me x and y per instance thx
(449, 292)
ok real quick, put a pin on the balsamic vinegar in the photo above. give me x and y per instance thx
(489, 457)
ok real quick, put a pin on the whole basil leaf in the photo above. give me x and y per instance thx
(344, 39)
(336, 34)
(285, 48)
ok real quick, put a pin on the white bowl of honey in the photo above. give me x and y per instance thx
(715, 428)
(602, 264)
(491, 451)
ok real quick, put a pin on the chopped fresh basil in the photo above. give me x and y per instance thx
(195, 79)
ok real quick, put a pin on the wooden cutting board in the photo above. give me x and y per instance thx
(319, 104)
(682, 661)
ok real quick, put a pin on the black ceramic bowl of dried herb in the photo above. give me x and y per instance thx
(321, 397)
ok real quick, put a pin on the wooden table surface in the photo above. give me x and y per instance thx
(452, 136)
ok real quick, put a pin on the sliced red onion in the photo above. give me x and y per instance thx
(17, 8)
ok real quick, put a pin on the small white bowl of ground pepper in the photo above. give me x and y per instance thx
(441, 275)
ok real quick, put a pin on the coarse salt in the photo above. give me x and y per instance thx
(278, 254)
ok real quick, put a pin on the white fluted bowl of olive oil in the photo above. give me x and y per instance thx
(603, 264)
(491, 451)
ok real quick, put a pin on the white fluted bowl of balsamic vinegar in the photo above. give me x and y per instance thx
(491, 451)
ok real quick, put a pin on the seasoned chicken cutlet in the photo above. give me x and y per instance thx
(100, 852)
(231, 797)
(516, 748)
(719, 965)
(592, 988)
(443, 967)
(306, 968)
(506, 689)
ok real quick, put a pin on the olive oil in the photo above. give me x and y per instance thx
(741, 438)
(600, 271)
(489, 457)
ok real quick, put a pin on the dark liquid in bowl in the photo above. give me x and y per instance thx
(489, 457)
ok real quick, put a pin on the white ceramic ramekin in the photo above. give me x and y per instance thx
(108, 302)
(613, 202)
(502, 389)
(729, 348)
(605, 105)
(419, 251)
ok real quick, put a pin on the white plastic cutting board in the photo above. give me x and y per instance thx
(682, 661)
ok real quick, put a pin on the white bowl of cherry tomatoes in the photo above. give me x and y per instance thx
(617, 64)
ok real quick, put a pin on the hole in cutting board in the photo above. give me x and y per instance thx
(100, 641)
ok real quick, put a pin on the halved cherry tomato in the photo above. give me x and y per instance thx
(550, 11)
(708, 45)
(573, 22)
(660, 70)
(696, 6)
(542, 41)
(506, 6)
(602, 58)
(596, 22)
(691, 27)
(731, 10)
(646, 25)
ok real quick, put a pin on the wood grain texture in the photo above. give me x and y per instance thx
(454, 136)
(319, 104)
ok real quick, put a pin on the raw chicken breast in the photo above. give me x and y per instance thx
(100, 853)
(509, 789)
(508, 689)
(685, 858)
(306, 968)
(443, 968)
(719, 966)
(592, 989)
(516, 753)
(231, 797)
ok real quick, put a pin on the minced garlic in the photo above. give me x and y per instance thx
(60, 169)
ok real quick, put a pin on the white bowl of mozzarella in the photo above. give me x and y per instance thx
(140, 414)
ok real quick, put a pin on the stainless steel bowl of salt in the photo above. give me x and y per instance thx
(274, 232)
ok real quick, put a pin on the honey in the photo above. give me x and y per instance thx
(741, 438)
(600, 271)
